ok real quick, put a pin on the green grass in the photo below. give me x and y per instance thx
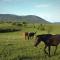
(13, 46)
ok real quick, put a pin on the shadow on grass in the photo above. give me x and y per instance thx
(30, 58)
(26, 58)
(23, 58)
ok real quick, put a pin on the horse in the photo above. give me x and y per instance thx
(49, 40)
(29, 35)
(26, 35)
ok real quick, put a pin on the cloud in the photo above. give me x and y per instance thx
(42, 5)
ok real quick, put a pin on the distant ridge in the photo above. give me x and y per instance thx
(28, 18)
(56, 22)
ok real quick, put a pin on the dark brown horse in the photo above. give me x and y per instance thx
(49, 40)
(26, 35)
(29, 35)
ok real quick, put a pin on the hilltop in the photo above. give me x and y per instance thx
(27, 18)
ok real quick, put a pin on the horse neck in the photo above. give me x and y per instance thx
(45, 41)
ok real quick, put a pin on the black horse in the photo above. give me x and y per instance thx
(49, 40)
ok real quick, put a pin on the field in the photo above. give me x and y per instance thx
(13, 45)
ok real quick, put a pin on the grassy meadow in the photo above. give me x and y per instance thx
(13, 45)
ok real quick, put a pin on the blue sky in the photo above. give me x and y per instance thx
(47, 9)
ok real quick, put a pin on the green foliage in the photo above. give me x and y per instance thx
(8, 27)
(42, 27)
(50, 28)
(13, 45)
(17, 24)
(24, 22)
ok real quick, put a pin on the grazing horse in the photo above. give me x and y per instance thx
(29, 34)
(48, 39)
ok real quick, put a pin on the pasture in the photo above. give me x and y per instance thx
(13, 45)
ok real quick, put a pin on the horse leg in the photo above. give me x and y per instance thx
(25, 37)
(32, 37)
(49, 47)
(45, 49)
(55, 50)
(28, 37)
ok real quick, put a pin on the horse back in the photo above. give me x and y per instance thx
(26, 33)
(55, 39)
(44, 37)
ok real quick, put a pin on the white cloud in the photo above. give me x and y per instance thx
(55, 17)
(42, 5)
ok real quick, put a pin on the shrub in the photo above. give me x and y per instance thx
(9, 30)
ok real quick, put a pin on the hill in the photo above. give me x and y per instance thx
(28, 18)
(56, 22)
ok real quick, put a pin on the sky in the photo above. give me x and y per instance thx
(46, 9)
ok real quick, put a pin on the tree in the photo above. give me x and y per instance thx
(49, 29)
(24, 23)
(42, 27)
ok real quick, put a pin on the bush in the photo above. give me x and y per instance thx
(9, 30)
(17, 24)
